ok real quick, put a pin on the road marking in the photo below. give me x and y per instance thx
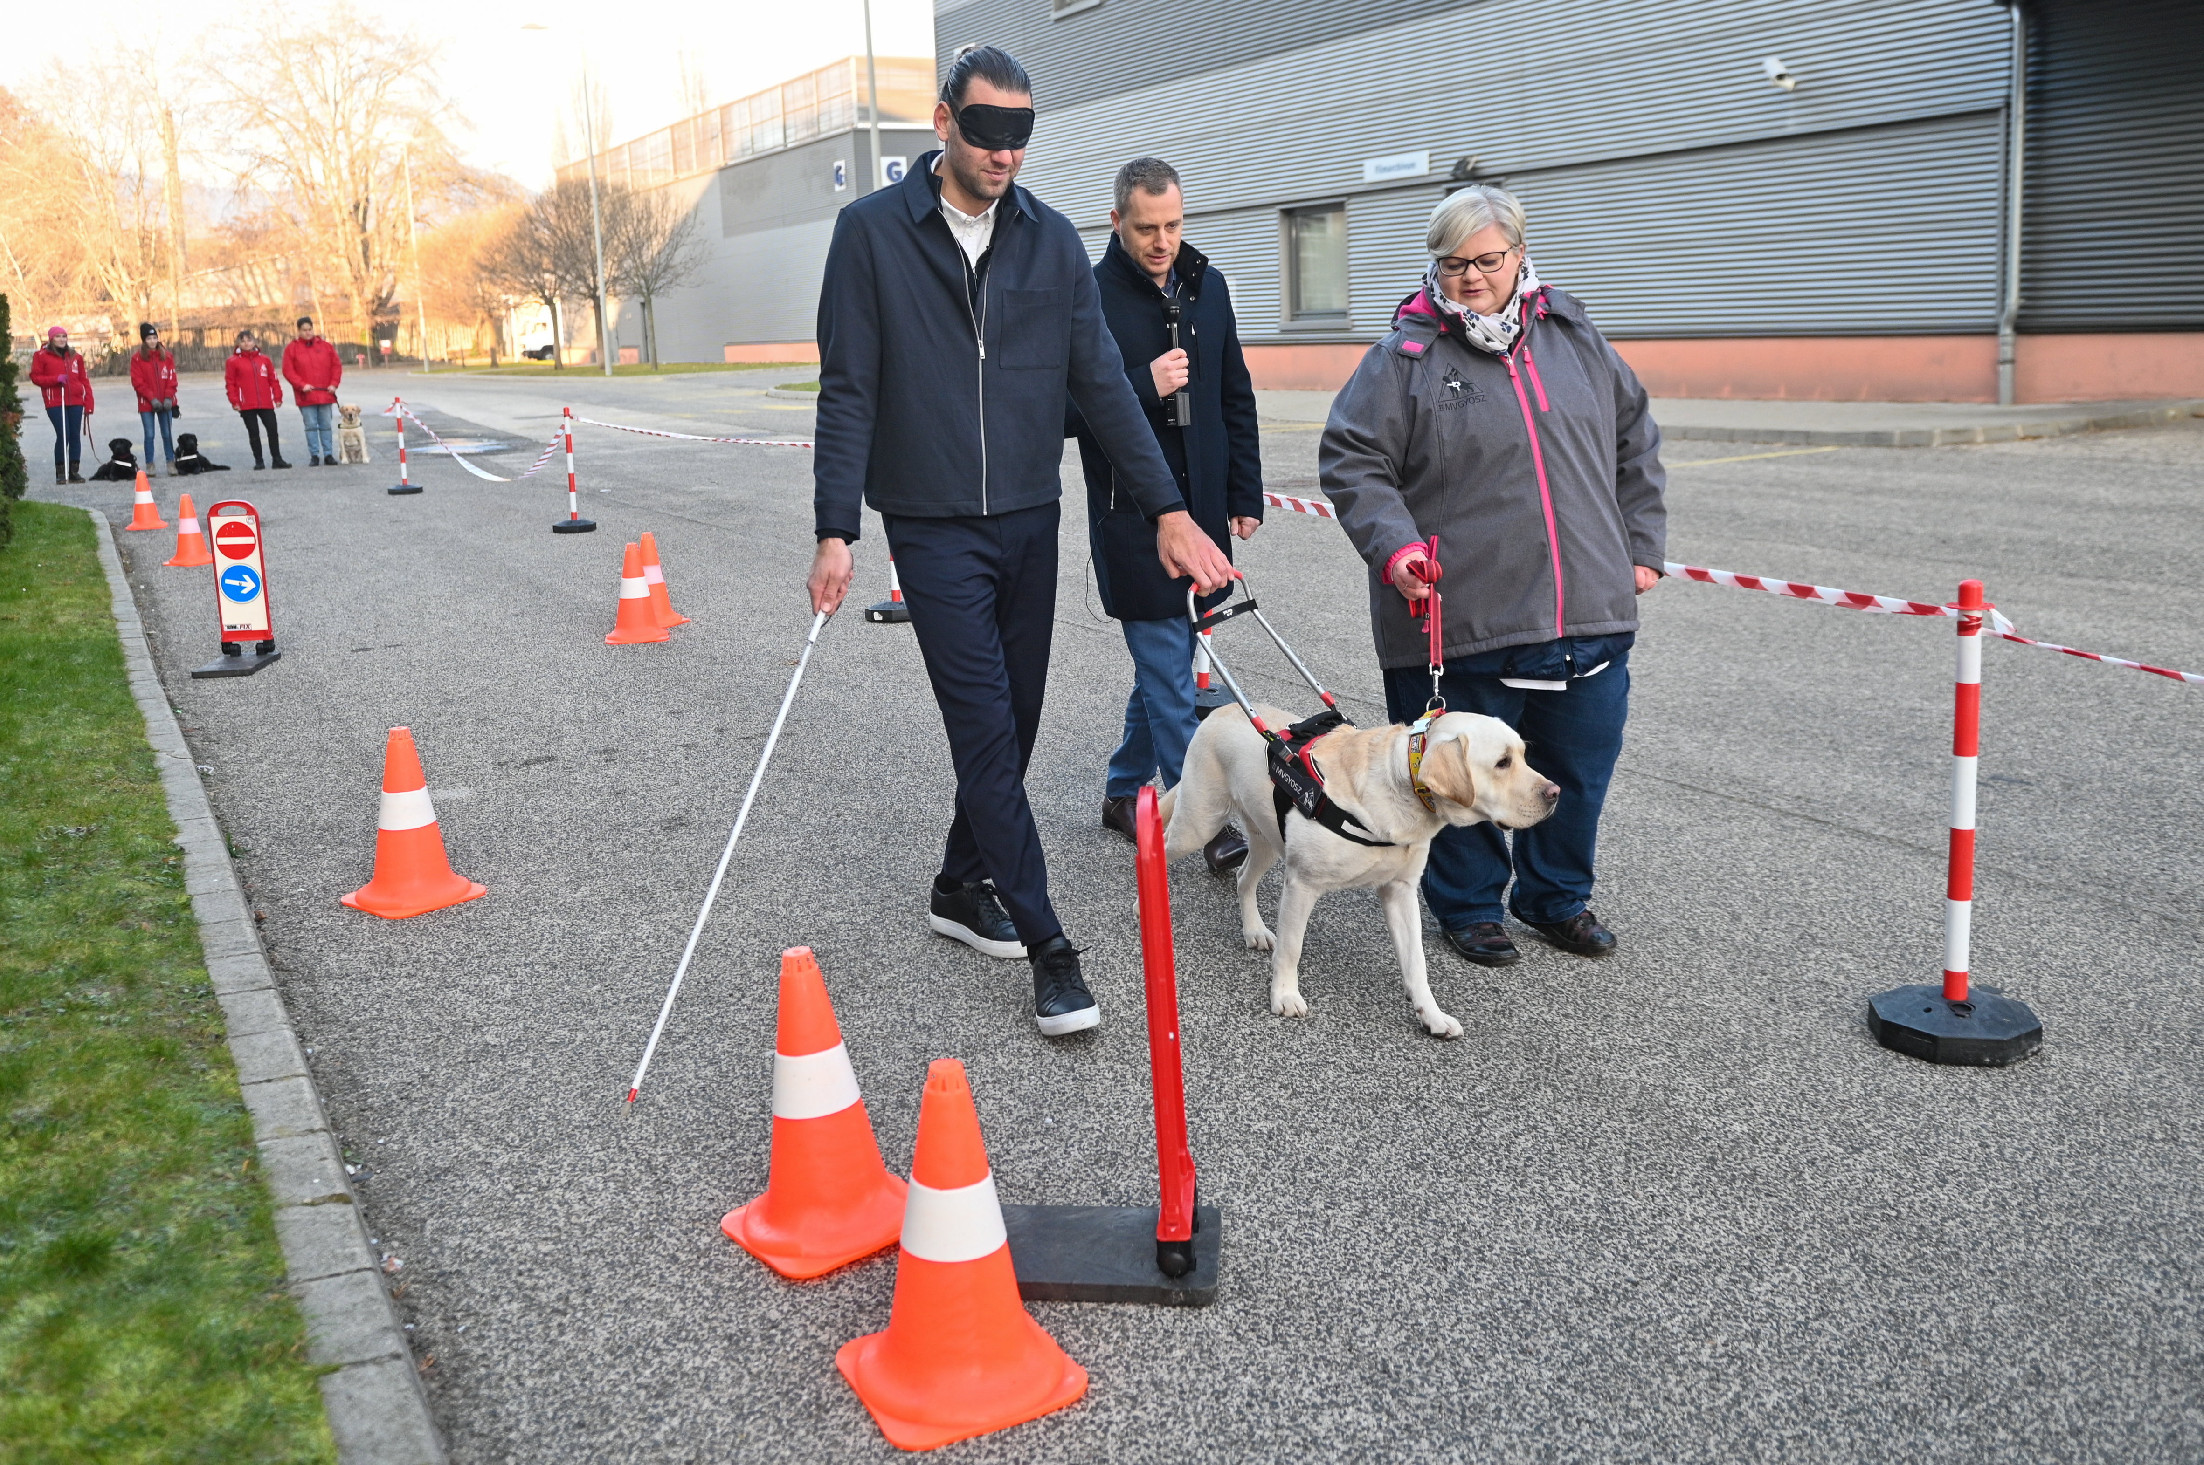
(1748, 457)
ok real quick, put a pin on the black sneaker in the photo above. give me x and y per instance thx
(1484, 942)
(1061, 1002)
(1581, 933)
(313, 460)
(974, 914)
(281, 464)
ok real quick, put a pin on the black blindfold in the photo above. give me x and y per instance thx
(995, 129)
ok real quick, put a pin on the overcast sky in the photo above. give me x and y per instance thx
(506, 81)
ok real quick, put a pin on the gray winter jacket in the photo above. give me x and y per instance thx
(1539, 471)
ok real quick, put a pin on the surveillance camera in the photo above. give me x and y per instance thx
(1779, 75)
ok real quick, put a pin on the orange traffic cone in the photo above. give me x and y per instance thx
(191, 545)
(654, 575)
(961, 1355)
(830, 1199)
(412, 874)
(143, 513)
(636, 623)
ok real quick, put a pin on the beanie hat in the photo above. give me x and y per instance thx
(147, 328)
(57, 333)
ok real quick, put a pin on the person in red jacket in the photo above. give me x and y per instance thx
(66, 388)
(255, 391)
(311, 366)
(153, 378)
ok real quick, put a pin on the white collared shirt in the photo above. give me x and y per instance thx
(972, 231)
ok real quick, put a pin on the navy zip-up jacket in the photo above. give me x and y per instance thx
(941, 387)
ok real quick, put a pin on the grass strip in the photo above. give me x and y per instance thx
(142, 1310)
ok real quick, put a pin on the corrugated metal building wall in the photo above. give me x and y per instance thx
(1669, 182)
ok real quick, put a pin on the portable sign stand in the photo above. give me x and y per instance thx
(240, 591)
(1168, 1253)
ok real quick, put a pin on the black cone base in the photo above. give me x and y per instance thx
(888, 613)
(405, 488)
(1107, 1254)
(575, 526)
(1989, 1030)
(236, 666)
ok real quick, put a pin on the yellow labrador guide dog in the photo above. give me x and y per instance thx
(1397, 787)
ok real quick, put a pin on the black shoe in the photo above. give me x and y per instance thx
(281, 464)
(1483, 942)
(1227, 852)
(1581, 933)
(974, 914)
(1118, 814)
(75, 477)
(61, 476)
(1061, 1002)
(258, 467)
(313, 460)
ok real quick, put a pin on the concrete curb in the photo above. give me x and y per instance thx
(1937, 437)
(377, 1409)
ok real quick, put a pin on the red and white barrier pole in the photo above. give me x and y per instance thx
(398, 420)
(891, 611)
(573, 523)
(1958, 1022)
(1966, 729)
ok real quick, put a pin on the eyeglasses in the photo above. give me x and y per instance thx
(1453, 268)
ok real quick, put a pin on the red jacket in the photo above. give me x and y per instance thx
(63, 379)
(251, 378)
(153, 377)
(313, 370)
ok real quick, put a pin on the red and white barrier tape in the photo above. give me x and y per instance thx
(1892, 605)
(1315, 508)
(398, 408)
(690, 437)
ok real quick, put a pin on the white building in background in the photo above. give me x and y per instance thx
(765, 175)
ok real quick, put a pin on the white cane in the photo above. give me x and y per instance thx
(741, 817)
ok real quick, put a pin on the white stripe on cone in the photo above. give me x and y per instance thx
(654, 574)
(406, 809)
(960, 1225)
(814, 1085)
(635, 589)
(145, 496)
(188, 526)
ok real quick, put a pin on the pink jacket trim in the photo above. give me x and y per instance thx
(1413, 546)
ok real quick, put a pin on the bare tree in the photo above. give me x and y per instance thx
(656, 247)
(519, 265)
(324, 116)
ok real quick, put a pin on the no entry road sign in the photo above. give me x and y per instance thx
(240, 591)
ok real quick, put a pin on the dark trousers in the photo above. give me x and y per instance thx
(982, 593)
(67, 421)
(257, 421)
(1573, 738)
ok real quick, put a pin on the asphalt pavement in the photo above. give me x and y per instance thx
(1676, 1206)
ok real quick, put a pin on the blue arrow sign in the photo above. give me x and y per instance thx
(239, 583)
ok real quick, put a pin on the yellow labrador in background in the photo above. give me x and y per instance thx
(1473, 769)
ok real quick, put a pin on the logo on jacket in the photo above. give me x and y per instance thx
(1454, 390)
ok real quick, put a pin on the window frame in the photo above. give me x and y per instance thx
(1289, 297)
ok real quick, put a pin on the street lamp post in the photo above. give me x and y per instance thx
(596, 217)
(872, 104)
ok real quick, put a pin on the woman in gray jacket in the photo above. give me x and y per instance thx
(1495, 416)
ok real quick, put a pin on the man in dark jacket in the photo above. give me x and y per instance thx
(956, 313)
(1194, 386)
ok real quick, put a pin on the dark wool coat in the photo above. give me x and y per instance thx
(1217, 462)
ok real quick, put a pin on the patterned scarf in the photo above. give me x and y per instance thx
(1490, 333)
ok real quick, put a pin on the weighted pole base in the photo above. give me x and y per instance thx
(1108, 1254)
(575, 526)
(405, 488)
(888, 613)
(235, 665)
(1206, 702)
(1988, 1030)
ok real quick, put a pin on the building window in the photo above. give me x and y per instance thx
(1316, 263)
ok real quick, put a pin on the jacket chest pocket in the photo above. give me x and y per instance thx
(1036, 330)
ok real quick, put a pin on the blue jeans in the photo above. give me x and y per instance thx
(146, 421)
(68, 422)
(1159, 715)
(1573, 738)
(321, 432)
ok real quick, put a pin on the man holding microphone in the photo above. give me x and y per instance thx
(956, 315)
(1172, 317)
